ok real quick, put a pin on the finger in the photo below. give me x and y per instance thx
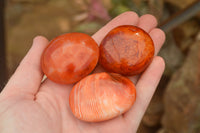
(145, 89)
(127, 18)
(147, 22)
(158, 37)
(28, 76)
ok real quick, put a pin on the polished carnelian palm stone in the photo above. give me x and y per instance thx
(70, 57)
(101, 96)
(127, 50)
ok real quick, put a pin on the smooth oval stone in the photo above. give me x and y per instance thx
(102, 96)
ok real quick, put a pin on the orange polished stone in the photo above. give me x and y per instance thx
(101, 96)
(70, 57)
(127, 50)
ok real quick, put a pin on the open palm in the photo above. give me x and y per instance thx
(27, 105)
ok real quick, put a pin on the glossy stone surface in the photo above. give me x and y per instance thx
(127, 50)
(101, 96)
(69, 58)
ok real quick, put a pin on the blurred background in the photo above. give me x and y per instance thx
(175, 107)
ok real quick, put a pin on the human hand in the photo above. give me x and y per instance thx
(28, 105)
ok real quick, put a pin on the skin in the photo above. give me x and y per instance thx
(28, 105)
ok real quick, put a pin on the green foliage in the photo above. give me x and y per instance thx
(88, 27)
(118, 9)
(120, 6)
(127, 3)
